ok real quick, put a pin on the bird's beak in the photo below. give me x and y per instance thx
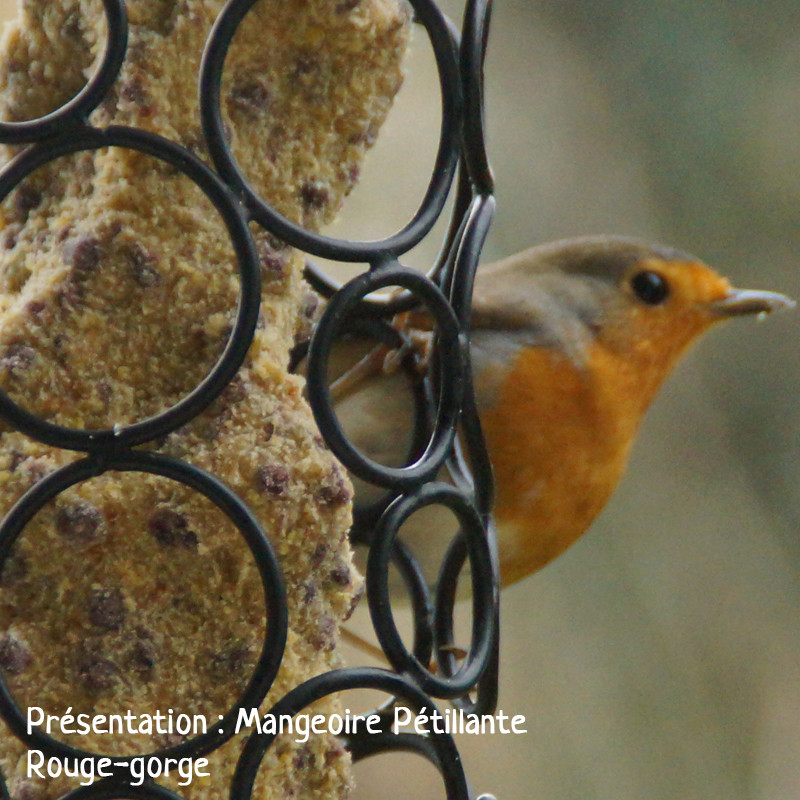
(747, 301)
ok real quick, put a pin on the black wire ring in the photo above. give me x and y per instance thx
(211, 69)
(366, 514)
(421, 600)
(275, 631)
(82, 104)
(477, 17)
(372, 744)
(446, 756)
(473, 472)
(451, 344)
(459, 282)
(483, 606)
(86, 138)
(485, 688)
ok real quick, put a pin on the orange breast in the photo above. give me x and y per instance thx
(559, 440)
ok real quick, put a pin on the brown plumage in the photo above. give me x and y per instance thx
(570, 343)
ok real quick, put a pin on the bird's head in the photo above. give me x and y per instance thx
(638, 304)
(570, 343)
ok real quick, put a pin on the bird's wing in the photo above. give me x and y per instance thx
(515, 307)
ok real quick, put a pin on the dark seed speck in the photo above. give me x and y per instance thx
(325, 636)
(272, 479)
(303, 758)
(106, 608)
(340, 575)
(171, 528)
(234, 392)
(318, 556)
(251, 96)
(336, 492)
(82, 253)
(63, 234)
(35, 308)
(315, 195)
(142, 658)
(230, 661)
(165, 740)
(18, 357)
(132, 90)
(80, 521)
(15, 655)
(354, 602)
(274, 263)
(96, 672)
(305, 64)
(309, 589)
(142, 265)
(24, 199)
(310, 305)
(8, 239)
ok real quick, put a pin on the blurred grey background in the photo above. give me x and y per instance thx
(660, 657)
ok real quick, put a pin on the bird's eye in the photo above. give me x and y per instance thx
(650, 287)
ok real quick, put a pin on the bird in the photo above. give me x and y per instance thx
(569, 343)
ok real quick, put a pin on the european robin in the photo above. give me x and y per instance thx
(570, 342)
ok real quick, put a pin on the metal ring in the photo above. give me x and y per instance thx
(485, 687)
(316, 688)
(477, 17)
(77, 109)
(483, 605)
(211, 69)
(421, 601)
(451, 346)
(271, 578)
(230, 360)
(366, 514)
(459, 279)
